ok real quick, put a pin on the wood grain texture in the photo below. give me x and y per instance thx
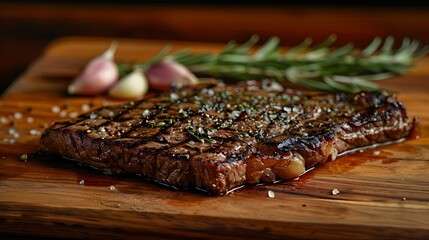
(384, 191)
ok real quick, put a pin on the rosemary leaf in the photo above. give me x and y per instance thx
(372, 47)
(325, 44)
(324, 68)
(246, 47)
(388, 44)
(269, 49)
(302, 46)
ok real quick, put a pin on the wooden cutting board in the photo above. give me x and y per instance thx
(384, 191)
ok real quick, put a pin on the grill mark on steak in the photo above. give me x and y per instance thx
(217, 137)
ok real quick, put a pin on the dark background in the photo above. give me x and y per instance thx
(27, 27)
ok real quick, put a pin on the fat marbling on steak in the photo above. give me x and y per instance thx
(216, 137)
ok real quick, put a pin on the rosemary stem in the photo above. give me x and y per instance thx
(343, 69)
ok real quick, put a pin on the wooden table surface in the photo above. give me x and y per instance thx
(384, 191)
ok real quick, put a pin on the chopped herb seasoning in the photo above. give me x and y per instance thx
(160, 124)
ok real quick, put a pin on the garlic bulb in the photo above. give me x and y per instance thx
(132, 86)
(98, 75)
(163, 75)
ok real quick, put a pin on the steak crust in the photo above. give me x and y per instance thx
(216, 137)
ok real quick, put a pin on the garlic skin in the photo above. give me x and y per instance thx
(164, 74)
(132, 86)
(98, 75)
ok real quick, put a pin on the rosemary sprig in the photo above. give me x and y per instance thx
(343, 69)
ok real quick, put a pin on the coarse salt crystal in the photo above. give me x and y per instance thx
(11, 131)
(73, 114)
(85, 107)
(17, 115)
(23, 157)
(30, 119)
(3, 120)
(63, 113)
(174, 96)
(34, 132)
(82, 182)
(112, 188)
(335, 191)
(234, 114)
(55, 109)
(93, 115)
(271, 194)
(377, 152)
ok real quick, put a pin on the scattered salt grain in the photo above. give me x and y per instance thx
(377, 152)
(85, 107)
(17, 115)
(63, 113)
(3, 120)
(82, 182)
(16, 135)
(404, 198)
(335, 191)
(146, 112)
(112, 188)
(210, 92)
(8, 140)
(34, 132)
(23, 157)
(30, 119)
(73, 114)
(174, 96)
(55, 109)
(271, 194)
(93, 115)
(11, 131)
(234, 114)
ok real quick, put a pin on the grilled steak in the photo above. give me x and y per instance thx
(216, 137)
